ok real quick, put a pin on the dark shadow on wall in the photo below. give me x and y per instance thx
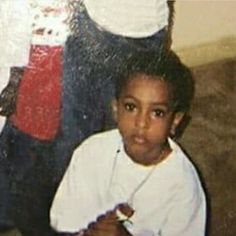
(210, 140)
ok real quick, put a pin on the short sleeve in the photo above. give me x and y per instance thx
(78, 200)
(73, 194)
(187, 215)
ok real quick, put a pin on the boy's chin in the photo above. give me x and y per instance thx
(138, 156)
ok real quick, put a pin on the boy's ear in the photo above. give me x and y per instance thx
(114, 106)
(177, 120)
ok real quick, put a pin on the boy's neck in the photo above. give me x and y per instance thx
(155, 160)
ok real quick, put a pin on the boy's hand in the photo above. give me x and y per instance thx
(109, 224)
(9, 93)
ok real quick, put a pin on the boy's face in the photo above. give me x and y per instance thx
(144, 117)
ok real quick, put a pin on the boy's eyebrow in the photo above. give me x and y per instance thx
(161, 103)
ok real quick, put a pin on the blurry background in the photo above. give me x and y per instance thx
(204, 30)
(204, 36)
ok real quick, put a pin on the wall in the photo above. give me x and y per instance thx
(204, 30)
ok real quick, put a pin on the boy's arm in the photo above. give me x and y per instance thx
(75, 202)
(188, 213)
(9, 93)
(109, 224)
(105, 225)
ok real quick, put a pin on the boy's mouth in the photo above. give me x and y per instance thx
(139, 139)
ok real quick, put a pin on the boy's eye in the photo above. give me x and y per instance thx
(129, 106)
(159, 113)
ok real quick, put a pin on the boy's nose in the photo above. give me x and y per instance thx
(142, 121)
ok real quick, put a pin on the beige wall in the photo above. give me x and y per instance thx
(206, 25)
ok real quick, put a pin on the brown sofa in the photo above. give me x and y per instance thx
(210, 138)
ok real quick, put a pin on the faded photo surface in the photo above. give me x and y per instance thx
(61, 64)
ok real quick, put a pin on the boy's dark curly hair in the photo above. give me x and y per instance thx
(166, 66)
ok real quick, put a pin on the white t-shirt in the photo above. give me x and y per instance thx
(129, 18)
(50, 21)
(14, 39)
(22, 23)
(15, 33)
(170, 202)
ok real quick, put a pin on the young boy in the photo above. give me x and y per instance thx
(136, 180)
(105, 34)
(96, 48)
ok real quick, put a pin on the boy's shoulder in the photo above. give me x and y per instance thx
(99, 144)
(184, 169)
(103, 138)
